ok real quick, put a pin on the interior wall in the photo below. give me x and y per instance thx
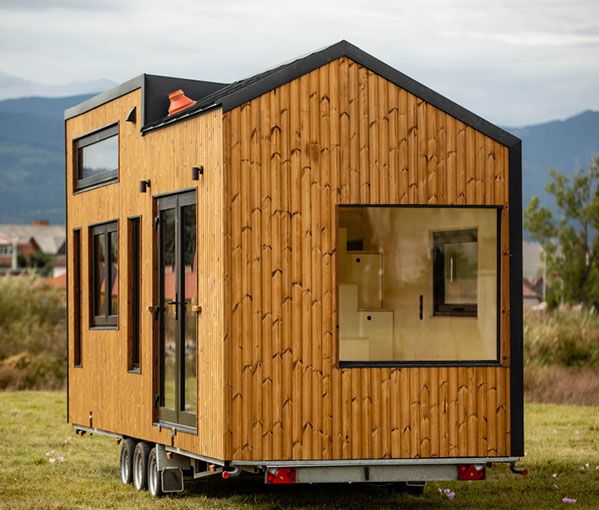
(396, 259)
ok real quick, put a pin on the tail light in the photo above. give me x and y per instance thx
(282, 475)
(471, 472)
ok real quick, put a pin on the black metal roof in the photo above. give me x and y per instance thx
(239, 92)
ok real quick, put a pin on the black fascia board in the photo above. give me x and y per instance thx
(307, 64)
(516, 310)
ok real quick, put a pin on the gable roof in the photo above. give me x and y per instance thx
(239, 92)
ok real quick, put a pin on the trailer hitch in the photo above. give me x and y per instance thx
(518, 470)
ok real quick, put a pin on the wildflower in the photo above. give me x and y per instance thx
(568, 501)
(51, 452)
(447, 492)
(52, 460)
(61, 458)
(554, 475)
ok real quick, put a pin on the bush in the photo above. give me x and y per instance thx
(565, 337)
(32, 333)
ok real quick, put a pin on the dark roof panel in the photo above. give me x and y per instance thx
(239, 92)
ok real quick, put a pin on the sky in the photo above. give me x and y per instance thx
(514, 62)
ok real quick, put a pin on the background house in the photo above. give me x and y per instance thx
(31, 245)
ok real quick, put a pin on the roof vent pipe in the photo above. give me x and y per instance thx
(179, 102)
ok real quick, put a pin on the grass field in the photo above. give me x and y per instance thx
(562, 444)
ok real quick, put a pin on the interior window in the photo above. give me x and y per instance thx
(104, 298)
(97, 157)
(417, 284)
(455, 268)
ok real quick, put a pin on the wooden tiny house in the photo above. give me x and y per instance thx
(317, 267)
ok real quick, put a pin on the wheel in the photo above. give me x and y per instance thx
(126, 460)
(154, 481)
(140, 465)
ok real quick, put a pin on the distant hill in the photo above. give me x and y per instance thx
(564, 145)
(32, 155)
(16, 87)
(32, 158)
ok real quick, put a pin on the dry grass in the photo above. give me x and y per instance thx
(560, 385)
(32, 333)
(561, 352)
(568, 338)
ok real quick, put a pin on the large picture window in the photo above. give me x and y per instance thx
(97, 158)
(104, 266)
(417, 284)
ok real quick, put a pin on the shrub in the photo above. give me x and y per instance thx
(32, 333)
(565, 337)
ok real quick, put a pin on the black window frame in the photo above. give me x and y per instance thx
(83, 183)
(104, 320)
(134, 261)
(440, 240)
(77, 333)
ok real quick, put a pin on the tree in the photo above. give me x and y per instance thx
(570, 243)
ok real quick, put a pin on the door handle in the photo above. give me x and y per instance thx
(421, 307)
(176, 303)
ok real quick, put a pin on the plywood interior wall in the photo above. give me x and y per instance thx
(343, 135)
(119, 401)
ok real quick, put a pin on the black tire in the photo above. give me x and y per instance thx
(126, 460)
(140, 465)
(154, 480)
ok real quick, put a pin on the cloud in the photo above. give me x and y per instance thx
(515, 62)
(45, 5)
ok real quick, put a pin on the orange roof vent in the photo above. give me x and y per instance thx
(179, 102)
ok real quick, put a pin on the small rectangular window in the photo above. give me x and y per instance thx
(97, 158)
(134, 274)
(104, 254)
(77, 297)
(455, 266)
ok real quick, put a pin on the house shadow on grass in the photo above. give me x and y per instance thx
(252, 491)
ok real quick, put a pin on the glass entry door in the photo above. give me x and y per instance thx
(178, 279)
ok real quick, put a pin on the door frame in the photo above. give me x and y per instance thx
(176, 418)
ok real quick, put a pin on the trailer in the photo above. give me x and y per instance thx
(309, 275)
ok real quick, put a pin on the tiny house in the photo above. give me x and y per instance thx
(313, 274)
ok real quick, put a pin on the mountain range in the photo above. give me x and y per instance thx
(14, 87)
(32, 155)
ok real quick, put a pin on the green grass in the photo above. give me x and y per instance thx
(560, 440)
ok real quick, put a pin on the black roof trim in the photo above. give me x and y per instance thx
(104, 97)
(240, 92)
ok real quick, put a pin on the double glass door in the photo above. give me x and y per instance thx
(178, 280)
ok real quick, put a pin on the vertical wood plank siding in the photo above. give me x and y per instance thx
(122, 402)
(343, 135)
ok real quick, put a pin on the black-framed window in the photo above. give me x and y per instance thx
(104, 271)
(77, 297)
(418, 285)
(455, 272)
(97, 157)
(134, 287)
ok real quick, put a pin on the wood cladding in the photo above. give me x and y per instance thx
(269, 385)
(343, 135)
(121, 401)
